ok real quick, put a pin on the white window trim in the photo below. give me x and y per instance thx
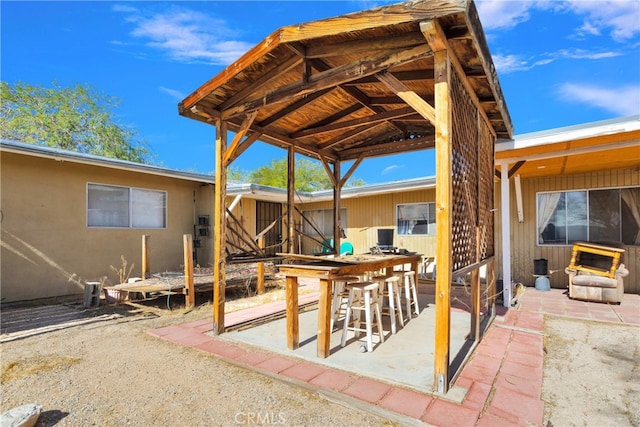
(397, 231)
(130, 190)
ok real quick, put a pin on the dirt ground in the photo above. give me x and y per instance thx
(108, 371)
(591, 373)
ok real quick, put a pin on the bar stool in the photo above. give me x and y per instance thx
(340, 296)
(388, 288)
(363, 296)
(410, 291)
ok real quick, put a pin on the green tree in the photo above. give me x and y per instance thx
(310, 176)
(77, 118)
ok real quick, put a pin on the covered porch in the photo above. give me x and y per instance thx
(395, 79)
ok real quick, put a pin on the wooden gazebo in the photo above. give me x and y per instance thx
(410, 76)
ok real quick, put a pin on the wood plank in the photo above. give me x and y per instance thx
(190, 298)
(379, 17)
(146, 266)
(332, 77)
(410, 97)
(324, 318)
(237, 139)
(293, 327)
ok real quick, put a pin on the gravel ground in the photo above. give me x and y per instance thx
(112, 373)
(591, 373)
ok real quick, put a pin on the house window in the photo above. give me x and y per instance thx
(416, 219)
(602, 215)
(322, 220)
(125, 207)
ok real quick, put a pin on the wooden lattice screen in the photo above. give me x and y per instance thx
(485, 188)
(472, 181)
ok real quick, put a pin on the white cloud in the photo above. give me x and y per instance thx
(173, 93)
(619, 18)
(615, 18)
(501, 14)
(390, 169)
(506, 64)
(186, 35)
(623, 101)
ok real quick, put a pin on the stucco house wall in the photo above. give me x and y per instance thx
(48, 249)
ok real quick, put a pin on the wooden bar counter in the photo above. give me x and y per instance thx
(326, 268)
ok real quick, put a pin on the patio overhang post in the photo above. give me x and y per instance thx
(291, 190)
(337, 191)
(291, 286)
(443, 115)
(220, 228)
(506, 234)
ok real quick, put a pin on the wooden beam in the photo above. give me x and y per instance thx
(332, 77)
(345, 136)
(146, 272)
(293, 327)
(391, 147)
(327, 50)
(362, 121)
(410, 97)
(190, 297)
(432, 30)
(259, 50)
(328, 170)
(219, 229)
(444, 198)
(373, 18)
(351, 170)
(255, 86)
(293, 107)
(243, 147)
(291, 190)
(260, 272)
(337, 190)
(237, 139)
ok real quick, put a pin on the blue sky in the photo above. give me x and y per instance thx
(560, 63)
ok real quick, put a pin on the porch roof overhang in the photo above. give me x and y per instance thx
(351, 87)
(585, 148)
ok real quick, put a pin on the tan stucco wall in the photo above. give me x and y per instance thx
(47, 247)
(524, 247)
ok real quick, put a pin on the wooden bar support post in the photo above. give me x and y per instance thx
(324, 318)
(145, 257)
(190, 297)
(293, 328)
(260, 279)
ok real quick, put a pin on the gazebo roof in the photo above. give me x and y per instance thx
(345, 88)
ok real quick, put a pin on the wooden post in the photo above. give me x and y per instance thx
(324, 318)
(190, 297)
(475, 293)
(260, 284)
(337, 195)
(293, 328)
(291, 189)
(219, 229)
(442, 69)
(145, 257)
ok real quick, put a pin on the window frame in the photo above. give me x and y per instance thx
(430, 207)
(131, 209)
(343, 221)
(588, 221)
